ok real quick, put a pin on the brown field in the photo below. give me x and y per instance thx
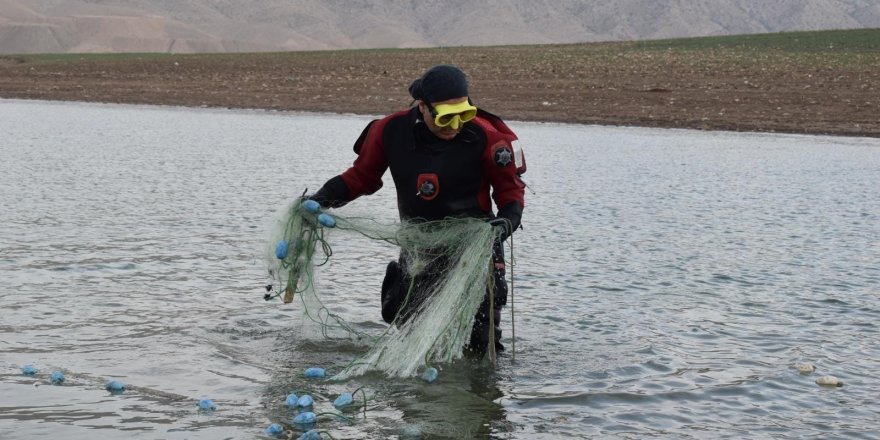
(816, 83)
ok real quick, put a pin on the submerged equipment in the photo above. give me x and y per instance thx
(305, 401)
(207, 405)
(115, 386)
(291, 400)
(346, 400)
(274, 430)
(305, 418)
(430, 375)
(343, 400)
(311, 434)
(315, 372)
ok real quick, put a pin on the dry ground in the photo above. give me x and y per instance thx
(817, 89)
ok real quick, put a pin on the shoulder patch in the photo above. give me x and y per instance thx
(502, 154)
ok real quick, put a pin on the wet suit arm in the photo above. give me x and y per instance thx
(503, 164)
(333, 194)
(508, 190)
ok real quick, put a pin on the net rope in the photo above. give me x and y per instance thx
(454, 254)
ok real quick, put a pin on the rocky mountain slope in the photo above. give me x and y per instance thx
(187, 26)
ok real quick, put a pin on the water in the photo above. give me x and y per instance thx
(667, 283)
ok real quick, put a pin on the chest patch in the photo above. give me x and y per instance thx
(502, 155)
(427, 186)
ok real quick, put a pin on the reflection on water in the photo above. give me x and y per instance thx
(666, 283)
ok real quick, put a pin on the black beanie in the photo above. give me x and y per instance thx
(440, 83)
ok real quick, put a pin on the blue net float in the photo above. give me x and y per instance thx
(343, 400)
(281, 249)
(291, 400)
(115, 386)
(305, 418)
(57, 378)
(327, 220)
(207, 405)
(311, 206)
(274, 430)
(430, 375)
(315, 372)
(305, 401)
(312, 434)
(29, 370)
(410, 432)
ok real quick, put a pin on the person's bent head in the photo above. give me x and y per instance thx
(442, 95)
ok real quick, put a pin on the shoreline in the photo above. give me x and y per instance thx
(310, 113)
(730, 84)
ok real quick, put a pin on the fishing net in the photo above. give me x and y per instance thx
(447, 273)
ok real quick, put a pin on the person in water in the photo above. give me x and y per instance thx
(446, 158)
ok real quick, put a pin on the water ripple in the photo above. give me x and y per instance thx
(666, 283)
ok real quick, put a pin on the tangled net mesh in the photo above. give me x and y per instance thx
(454, 253)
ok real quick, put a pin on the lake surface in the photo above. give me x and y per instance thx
(667, 283)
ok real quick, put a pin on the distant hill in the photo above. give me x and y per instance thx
(189, 26)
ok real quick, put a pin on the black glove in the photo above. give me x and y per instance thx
(508, 220)
(502, 228)
(333, 194)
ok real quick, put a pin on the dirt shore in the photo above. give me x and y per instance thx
(702, 86)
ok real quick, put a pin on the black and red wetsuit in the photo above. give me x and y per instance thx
(436, 179)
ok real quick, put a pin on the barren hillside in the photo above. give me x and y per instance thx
(174, 26)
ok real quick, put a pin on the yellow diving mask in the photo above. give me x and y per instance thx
(453, 115)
